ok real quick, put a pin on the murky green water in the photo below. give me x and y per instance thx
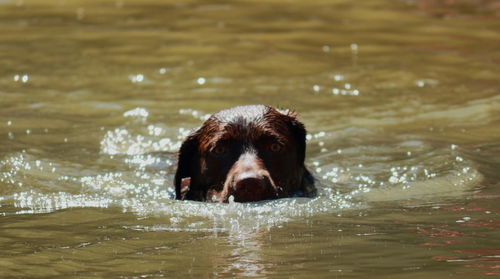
(401, 100)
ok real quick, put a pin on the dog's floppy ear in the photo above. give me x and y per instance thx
(299, 134)
(187, 166)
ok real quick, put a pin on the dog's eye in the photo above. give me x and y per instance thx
(220, 150)
(276, 147)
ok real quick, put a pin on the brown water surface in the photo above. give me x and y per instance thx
(401, 100)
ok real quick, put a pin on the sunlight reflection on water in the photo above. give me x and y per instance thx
(350, 178)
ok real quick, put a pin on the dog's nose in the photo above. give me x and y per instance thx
(249, 183)
(250, 189)
(250, 180)
(253, 185)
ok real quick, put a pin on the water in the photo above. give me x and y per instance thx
(400, 99)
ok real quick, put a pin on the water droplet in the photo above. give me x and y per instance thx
(137, 112)
(136, 78)
(338, 77)
(201, 80)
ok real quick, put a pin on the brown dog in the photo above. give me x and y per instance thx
(252, 153)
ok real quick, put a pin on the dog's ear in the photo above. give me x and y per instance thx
(307, 185)
(187, 166)
(299, 134)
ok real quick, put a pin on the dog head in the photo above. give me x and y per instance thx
(252, 153)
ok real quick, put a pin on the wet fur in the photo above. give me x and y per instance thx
(201, 176)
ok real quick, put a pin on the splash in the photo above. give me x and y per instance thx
(137, 162)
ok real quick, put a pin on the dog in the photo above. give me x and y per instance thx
(252, 153)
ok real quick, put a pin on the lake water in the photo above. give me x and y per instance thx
(401, 100)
